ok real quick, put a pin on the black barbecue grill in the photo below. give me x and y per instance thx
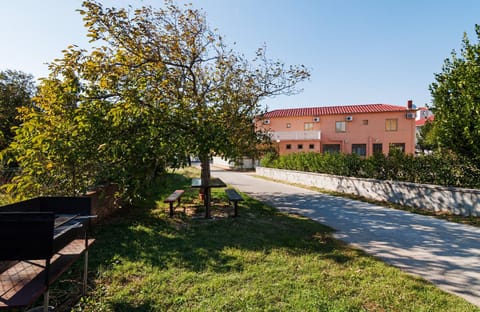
(38, 229)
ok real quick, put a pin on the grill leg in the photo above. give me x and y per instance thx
(46, 295)
(46, 298)
(85, 274)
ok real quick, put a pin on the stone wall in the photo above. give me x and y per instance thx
(459, 201)
(104, 201)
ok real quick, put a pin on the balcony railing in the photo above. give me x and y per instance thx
(295, 135)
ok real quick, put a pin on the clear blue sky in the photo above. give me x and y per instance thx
(359, 51)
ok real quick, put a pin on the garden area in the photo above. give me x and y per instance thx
(263, 260)
(162, 85)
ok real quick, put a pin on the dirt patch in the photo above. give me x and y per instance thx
(218, 210)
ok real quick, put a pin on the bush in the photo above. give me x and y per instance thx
(446, 168)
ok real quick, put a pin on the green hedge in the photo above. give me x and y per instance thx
(445, 169)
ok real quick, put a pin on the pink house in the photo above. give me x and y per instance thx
(362, 129)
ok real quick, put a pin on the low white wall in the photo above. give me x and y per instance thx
(459, 201)
(219, 161)
(245, 164)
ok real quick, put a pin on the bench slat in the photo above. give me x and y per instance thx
(233, 195)
(174, 196)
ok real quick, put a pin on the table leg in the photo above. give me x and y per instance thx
(208, 195)
(171, 209)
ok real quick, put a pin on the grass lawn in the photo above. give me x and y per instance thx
(263, 260)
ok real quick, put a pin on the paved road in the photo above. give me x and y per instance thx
(447, 254)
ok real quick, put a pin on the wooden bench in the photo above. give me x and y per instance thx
(234, 197)
(174, 197)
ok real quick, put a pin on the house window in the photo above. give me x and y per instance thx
(288, 146)
(391, 124)
(377, 148)
(359, 149)
(331, 148)
(300, 146)
(365, 122)
(289, 125)
(308, 126)
(340, 126)
(311, 146)
(398, 146)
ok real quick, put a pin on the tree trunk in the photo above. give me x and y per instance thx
(205, 176)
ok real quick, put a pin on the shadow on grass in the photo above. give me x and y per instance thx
(146, 234)
(141, 258)
(146, 261)
(197, 244)
(125, 306)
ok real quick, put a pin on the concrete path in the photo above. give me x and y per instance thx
(447, 254)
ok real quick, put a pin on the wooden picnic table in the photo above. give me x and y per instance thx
(213, 182)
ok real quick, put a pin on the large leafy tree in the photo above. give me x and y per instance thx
(16, 90)
(205, 95)
(161, 85)
(50, 145)
(456, 100)
(87, 129)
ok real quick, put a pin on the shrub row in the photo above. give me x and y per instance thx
(445, 169)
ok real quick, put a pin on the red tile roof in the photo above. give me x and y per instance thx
(334, 110)
(422, 121)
